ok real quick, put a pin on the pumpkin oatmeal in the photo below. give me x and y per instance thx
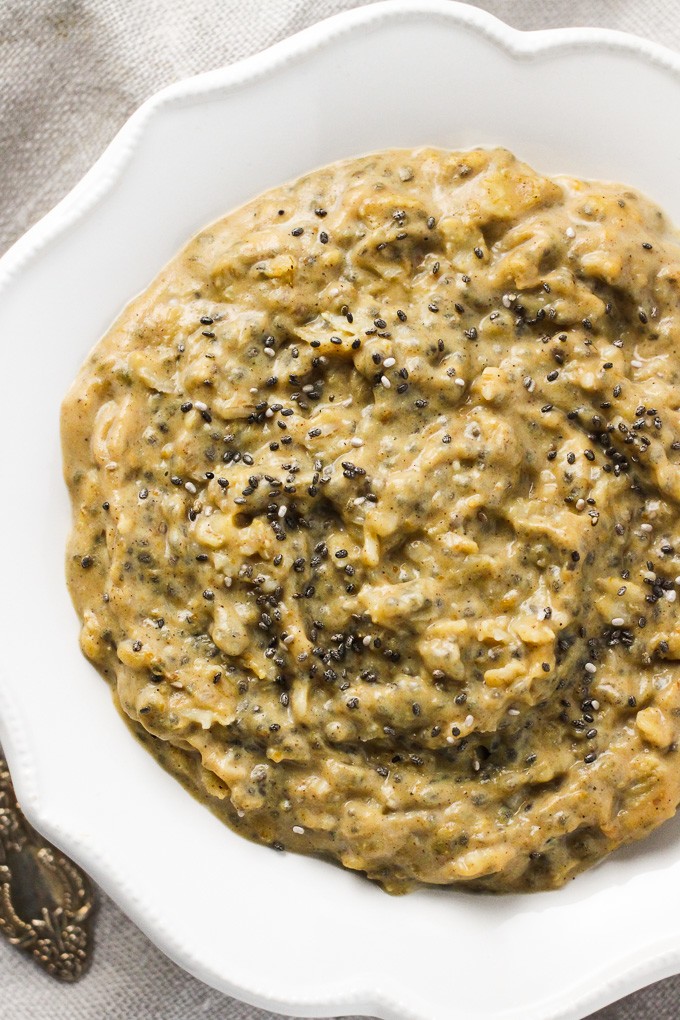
(376, 518)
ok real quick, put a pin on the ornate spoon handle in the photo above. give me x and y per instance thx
(46, 902)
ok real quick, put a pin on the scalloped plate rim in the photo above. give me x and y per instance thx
(617, 978)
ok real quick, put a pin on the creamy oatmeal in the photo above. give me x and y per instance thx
(376, 529)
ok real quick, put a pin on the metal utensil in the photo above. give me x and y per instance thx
(46, 901)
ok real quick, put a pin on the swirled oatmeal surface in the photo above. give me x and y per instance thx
(376, 531)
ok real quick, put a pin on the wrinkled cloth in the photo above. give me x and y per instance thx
(71, 72)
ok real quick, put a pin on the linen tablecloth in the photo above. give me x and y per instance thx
(71, 72)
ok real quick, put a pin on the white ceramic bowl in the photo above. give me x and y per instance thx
(282, 931)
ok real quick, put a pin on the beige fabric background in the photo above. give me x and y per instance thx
(71, 72)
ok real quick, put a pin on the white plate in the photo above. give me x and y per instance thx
(283, 931)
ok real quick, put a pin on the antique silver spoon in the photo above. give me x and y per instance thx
(46, 901)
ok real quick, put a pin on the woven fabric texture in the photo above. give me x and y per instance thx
(71, 72)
